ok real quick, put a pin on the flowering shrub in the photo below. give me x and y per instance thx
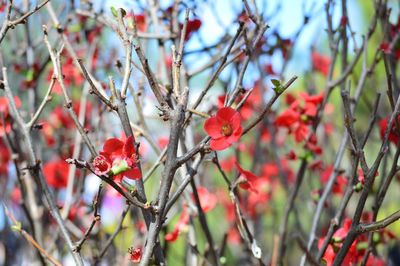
(199, 132)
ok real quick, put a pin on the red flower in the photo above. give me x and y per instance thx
(5, 156)
(168, 62)
(4, 104)
(234, 237)
(193, 25)
(394, 133)
(135, 254)
(340, 183)
(385, 48)
(224, 128)
(252, 102)
(3, 6)
(287, 118)
(16, 195)
(298, 117)
(243, 17)
(268, 68)
(344, 20)
(118, 159)
(355, 253)
(228, 164)
(207, 200)
(140, 20)
(320, 62)
(71, 75)
(102, 165)
(56, 173)
(250, 106)
(249, 179)
(163, 142)
(291, 155)
(375, 261)
(258, 202)
(271, 170)
(179, 226)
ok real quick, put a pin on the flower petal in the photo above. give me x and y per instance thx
(133, 173)
(219, 144)
(213, 127)
(226, 113)
(128, 148)
(235, 121)
(112, 145)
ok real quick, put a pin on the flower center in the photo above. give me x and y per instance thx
(227, 130)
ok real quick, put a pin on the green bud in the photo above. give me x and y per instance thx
(358, 187)
(16, 227)
(122, 166)
(114, 11)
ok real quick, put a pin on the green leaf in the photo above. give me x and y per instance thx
(114, 11)
(307, 155)
(75, 28)
(376, 238)
(29, 75)
(276, 82)
(278, 86)
(16, 227)
(358, 187)
(362, 246)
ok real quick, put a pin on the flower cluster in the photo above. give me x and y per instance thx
(394, 135)
(208, 201)
(71, 75)
(357, 250)
(118, 159)
(298, 118)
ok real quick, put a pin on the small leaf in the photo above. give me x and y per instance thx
(276, 82)
(16, 227)
(278, 86)
(362, 246)
(376, 238)
(29, 75)
(358, 187)
(114, 12)
(75, 28)
(307, 155)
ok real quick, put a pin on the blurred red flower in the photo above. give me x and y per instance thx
(320, 62)
(179, 226)
(249, 179)
(56, 173)
(193, 25)
(135, 254)
(207, 199)
(394, 133)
